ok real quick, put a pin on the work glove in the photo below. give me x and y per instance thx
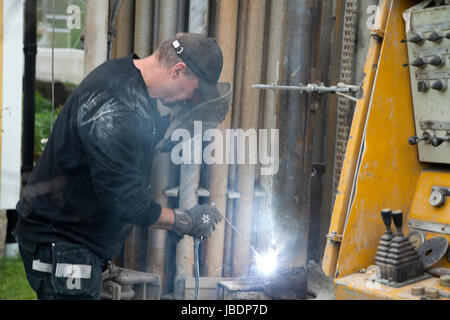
(197, 222)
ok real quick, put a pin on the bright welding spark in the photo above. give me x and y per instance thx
(266, 263)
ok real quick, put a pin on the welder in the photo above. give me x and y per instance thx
(91, 183)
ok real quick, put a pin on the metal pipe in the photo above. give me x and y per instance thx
(198, 16)
(236, 114)
(143, 28)
(226, 38)
(96, 34)
(123, 43)
(349, 168)
(293, 182)
(249, 120)
(182, 9)
(155, 25)
(273, 70)
(190, 173)
(167, 19)
(30, 50)
(310, 88)
(163, 171)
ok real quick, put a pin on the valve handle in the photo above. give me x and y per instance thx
(386, 215)
(436, 141)
(397, 216)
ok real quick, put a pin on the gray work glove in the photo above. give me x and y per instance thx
(197, 222)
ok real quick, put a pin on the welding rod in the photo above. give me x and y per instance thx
(240, 234)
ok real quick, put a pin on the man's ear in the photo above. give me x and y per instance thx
(177, 70)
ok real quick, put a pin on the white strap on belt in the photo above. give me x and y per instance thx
(79, 271)
(41, 266)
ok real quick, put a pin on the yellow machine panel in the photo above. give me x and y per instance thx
(391, 177)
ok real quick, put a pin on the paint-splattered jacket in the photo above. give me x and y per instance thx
(92, 180)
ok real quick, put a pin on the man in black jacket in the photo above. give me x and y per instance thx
(91, 183)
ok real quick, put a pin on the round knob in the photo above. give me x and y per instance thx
(436, 61)
(439, 85)
(413, 140)
(435, 36)
(436, 141)
(423, 86)
(437, 199)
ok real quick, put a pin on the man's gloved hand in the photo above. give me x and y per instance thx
(199, 221)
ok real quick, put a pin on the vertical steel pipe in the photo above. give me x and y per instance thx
(96, 34)
(143, 28)
(163, 170)
(29, 84)
(198, 16)
(182, 10)
(226, 38)
(123, 43)
(155, 24)
(273, 70)
(190, 173)
(235, 121)
(293, 183)
(168, 13)
(249, 120)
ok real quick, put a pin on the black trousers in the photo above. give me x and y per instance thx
(55, 283)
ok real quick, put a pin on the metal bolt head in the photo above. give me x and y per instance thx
(432, 293)
(445, 280)
(418, 290)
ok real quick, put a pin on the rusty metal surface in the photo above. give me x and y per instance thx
(295, 120)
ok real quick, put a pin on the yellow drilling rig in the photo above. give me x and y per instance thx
(390, 227)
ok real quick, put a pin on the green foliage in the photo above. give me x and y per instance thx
(13, 281)
(42, 121)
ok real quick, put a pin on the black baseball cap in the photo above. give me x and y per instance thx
(204, 57)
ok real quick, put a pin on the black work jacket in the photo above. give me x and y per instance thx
(91, 183)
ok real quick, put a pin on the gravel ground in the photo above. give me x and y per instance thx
(319, 284)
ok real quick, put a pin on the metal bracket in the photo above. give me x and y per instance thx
(335, 237)
(429, 226)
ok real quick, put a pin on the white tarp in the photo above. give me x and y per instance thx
(11, 46)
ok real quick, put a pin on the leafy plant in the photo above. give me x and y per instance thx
(43, 115)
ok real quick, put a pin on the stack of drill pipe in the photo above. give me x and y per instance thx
(226, 38)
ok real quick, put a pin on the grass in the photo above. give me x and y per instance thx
(13, 281)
